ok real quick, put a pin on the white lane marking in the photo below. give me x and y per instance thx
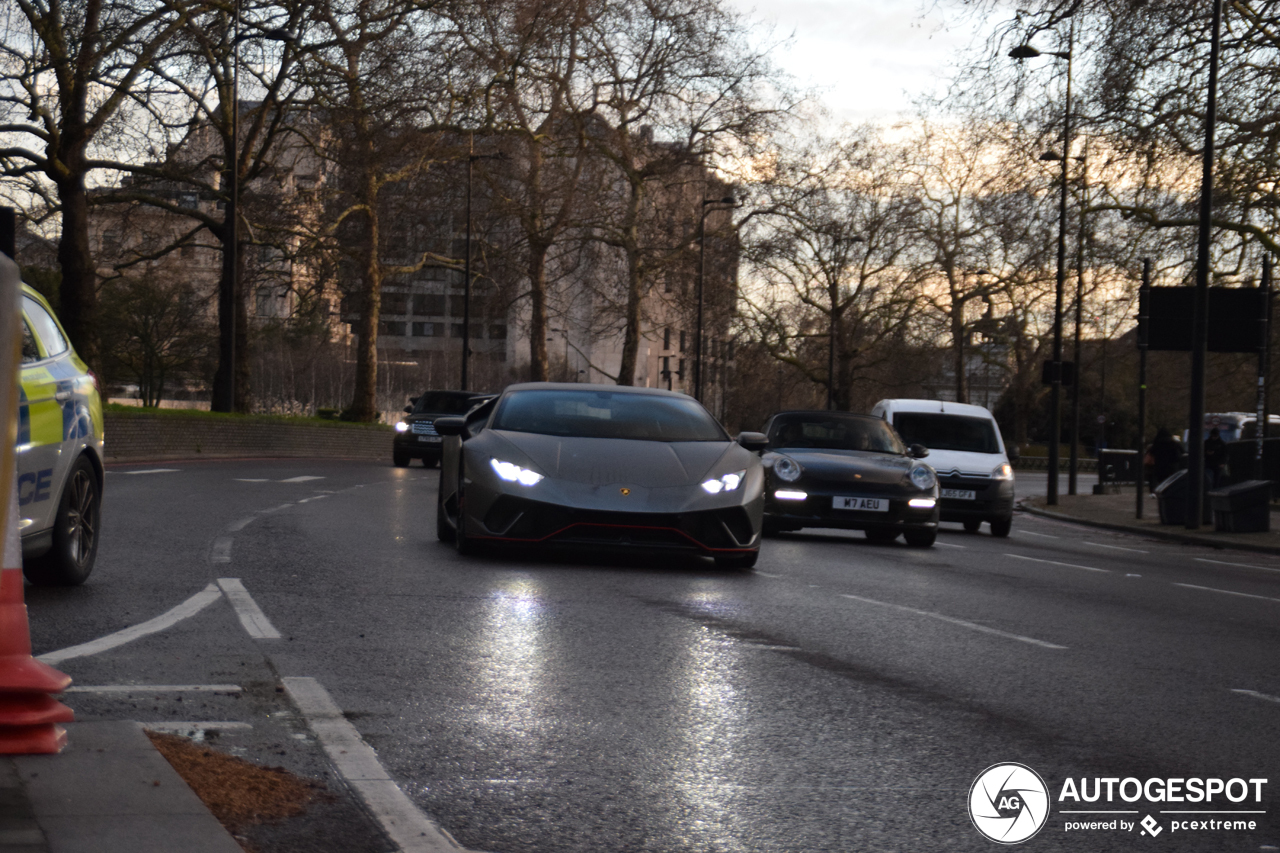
(1227, 592)
(1115, 547)
(303, 479)
(246, 480)
(1241, 565)
(1256, 695)
(221, 550)
(949, 545)
(767, 575)
(409, 828)
(954, 621)
(251, 616)
(193, 726)
(1056, 563)
(153, 471)
(237, 526)
(313, 498)
(1041, 535)
(155, 688)
(764, 648)
(188, 608)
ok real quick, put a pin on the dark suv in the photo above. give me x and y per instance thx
(416, 436)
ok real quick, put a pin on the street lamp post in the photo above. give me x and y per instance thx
(1026, 51)
(702, 275)
(472, 157)
(224, 391)
(1200, 317)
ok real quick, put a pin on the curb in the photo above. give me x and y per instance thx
(1153, 533)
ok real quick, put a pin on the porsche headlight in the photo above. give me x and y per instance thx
(402, 427)
(787, 469)
(513, 473)
(922, 477)
(727, 483)
(1004, 471)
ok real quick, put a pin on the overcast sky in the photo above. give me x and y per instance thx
(871, 57)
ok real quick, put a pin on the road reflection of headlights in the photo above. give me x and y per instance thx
(402, 427)
(1004, 471)
(922, 477)
(787, 469)
(727, 483)
(513, 473)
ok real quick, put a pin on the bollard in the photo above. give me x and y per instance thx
(28, 714)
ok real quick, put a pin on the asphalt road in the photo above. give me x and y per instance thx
(842, 697)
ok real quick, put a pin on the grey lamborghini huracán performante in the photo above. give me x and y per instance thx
(600, 467)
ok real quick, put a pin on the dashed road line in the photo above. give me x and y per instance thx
(973, 626)
(410, 830)
(305, 478)
(1115, 547)
(255, 622)
(221, 551)
(1239, 565)
(1227, 592)
(186, 609)
(153, 471)
(1056, 563)
(251, 480)
(949, 545)
(766, 575)
(1041, 535)
(1256, 695)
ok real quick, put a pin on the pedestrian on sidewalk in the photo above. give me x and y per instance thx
(1165, 455)
(1215, 459)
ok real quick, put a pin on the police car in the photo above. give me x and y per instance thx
(59, 456)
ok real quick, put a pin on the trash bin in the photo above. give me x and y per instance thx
(1242, 508)
(1171, 496)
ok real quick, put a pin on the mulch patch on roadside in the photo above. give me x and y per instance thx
(239, 793)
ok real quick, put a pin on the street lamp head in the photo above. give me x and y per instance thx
(1024, 51)
(1050, 157)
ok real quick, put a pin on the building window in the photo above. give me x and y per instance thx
(428, 305)
(426, 330)
(666, 338)
(497, 333)
(682, 342)
(394, 303)
(457, 330)
(392, 328)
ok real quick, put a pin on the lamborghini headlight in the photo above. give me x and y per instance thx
(786, 469)
(727, 483)
(922, 477)
(513, 473)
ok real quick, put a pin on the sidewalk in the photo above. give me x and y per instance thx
(109, 791)
(1117, 512)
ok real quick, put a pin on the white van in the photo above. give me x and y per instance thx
(967, 452)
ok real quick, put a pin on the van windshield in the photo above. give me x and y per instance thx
(938, 431)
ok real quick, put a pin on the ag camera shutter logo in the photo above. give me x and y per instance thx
(1008, 803)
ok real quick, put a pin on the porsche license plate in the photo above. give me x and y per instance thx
(861, 504)
(960, 494)
(429, 439)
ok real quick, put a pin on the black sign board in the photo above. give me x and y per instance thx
(1234, 313)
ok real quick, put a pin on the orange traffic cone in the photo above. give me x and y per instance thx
(28, 713)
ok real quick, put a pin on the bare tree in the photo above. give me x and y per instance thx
(68, 69)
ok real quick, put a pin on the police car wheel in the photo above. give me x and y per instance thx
(75, 532)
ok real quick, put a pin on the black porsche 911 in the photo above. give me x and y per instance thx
(834, 469)
(600, 467)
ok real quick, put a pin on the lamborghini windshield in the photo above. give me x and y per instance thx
(607, 414)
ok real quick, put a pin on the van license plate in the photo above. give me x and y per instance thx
(960, 494)
(862, 504)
